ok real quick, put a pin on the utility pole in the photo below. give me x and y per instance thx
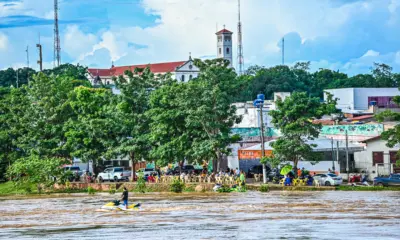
(40, 61)
(57, 48)
(283, 51)
(333, 158)
(259, 102)
(347, 156)
(27, 56)
(337, 154)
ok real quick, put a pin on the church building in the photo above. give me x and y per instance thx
(183, 71)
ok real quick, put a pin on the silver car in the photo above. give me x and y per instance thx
(328, 179)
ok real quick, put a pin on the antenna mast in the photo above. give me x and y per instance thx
(240, 57)
(57, 48)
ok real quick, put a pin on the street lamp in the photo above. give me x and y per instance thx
(259, 102)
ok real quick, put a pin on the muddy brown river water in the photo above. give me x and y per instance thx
(251, 215)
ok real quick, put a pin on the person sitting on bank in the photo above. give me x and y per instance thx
(288, 180)
(124, 197)
(310, 180)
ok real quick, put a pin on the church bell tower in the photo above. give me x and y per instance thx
(224, 45)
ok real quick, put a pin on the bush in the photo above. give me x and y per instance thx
(189, 188)
(177, 186)
(224, 189)
(141, 184)
(264, 188)
(113, 189)
(91, 190)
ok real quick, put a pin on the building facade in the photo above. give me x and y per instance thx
(182, 71)
(353, 100)
(377, 159)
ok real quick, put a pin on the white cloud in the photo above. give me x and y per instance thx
(76, 43)
(3, 41)
(371, 53)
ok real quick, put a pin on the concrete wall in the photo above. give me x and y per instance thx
(250, 116)
(357, 98)
(345, 97)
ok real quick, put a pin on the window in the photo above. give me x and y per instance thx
(190, 77)
(227, 50)
(183, 78)
(227, 39)
(393, 157)
(219, 38)
(108, 82)
(377, 158)
(190, 66)
(219, 50)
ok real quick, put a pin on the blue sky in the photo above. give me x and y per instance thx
(344, 35)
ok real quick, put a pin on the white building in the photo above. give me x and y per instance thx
(377, 159)
(182, 71)
(358, 100)
(224, 45)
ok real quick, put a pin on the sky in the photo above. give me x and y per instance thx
(344, 35)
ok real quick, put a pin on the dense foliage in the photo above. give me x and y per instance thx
(299, 78)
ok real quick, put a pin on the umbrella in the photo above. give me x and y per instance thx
(286, 169)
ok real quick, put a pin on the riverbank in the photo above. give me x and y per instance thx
(8, 188)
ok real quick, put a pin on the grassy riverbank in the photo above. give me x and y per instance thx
(8, 188)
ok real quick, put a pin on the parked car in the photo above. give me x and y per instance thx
(392, 180)
(146, 171)
(73, 169)
(257, 169)
(275, 173)
(115, 174)
(186, 169)
(328, 179)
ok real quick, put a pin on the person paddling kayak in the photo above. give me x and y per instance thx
(124, 197)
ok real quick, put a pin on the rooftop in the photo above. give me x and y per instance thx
(224, 31)
(154, 67)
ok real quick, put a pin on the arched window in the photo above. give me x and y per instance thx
(183, 78)
(220, 50)
(227, 50)
(190, 77)
(108, 82)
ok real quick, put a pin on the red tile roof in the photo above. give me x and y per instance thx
(155, 68)
(361, 117)
(224, 31)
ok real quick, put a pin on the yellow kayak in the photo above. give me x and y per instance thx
(120, 207)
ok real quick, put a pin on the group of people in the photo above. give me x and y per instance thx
(301, 174)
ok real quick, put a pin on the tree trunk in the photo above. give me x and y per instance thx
(295, 162)
(133, 172)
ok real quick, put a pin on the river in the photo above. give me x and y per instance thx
(251, 215)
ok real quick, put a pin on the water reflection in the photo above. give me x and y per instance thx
(252, 215)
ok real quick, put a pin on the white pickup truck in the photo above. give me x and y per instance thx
(115, 174)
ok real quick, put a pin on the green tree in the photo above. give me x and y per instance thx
(169, 134)
(34, 170)
(132, 122)
(293, 118)
(211, 114)
(91, 131)
(76, 72)
(16, 78)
